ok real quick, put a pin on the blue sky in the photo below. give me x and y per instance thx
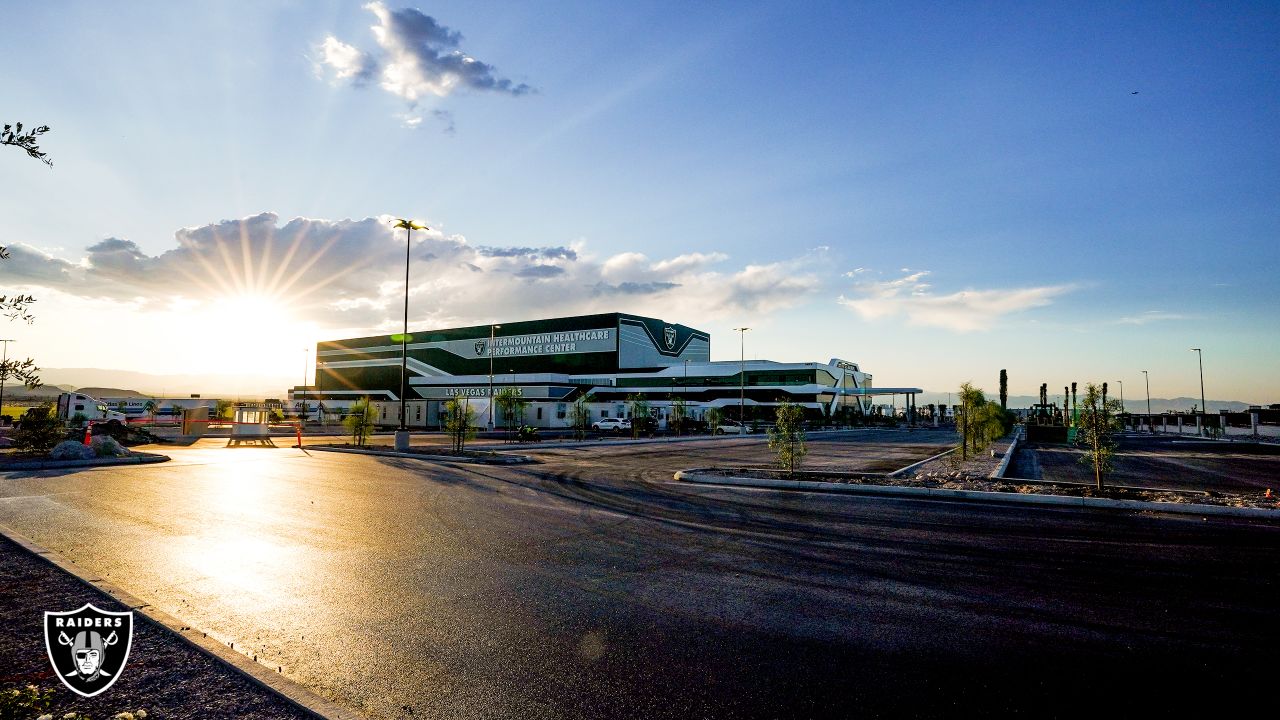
(934, 190)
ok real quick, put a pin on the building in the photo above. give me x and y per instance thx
(606, 358)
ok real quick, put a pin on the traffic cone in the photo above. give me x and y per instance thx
(88, 436)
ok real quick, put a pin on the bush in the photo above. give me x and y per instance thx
(39, 431)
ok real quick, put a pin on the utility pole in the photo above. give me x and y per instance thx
(742, 380)
(4, 371)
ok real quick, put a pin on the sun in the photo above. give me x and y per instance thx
(250, 334)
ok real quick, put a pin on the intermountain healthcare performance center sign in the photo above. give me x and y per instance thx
(555, 343)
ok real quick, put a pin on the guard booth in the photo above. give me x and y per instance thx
(250, 425)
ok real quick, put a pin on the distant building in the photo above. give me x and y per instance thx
(551, 363)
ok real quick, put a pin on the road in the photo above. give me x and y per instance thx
(592, 585)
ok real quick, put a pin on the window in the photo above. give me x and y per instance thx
(539, 413)
(604, 413)
(417, 413)
(79, 407)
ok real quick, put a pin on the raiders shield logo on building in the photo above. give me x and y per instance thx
(88, 647)
(480, 346)
(669, 335)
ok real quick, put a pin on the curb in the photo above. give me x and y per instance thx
(555, 444)
(693, 475)
(1003, 467)
(498, 460)
(906, 470)
(137, 459)
(258, 674)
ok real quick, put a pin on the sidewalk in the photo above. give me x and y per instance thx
(165, 675)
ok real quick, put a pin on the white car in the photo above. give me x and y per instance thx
(611, 425)
(730, 427)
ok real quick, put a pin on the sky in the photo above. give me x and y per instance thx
(1074, 191)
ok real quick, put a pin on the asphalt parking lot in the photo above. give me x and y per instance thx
(1164, 461)
(592, 585)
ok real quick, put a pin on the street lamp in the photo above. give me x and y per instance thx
(1121, 395)
(402, 434)
(302, 403)
(1203, 409)
(4, 372)
(1146, 379)
(742, 380)
(490, 411)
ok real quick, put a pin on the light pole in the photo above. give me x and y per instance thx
(302, 404)
(742, 380)
(1203, 409)
(319, 391)
(1121, 395)
(491, 329)
(402, 434)
(4, 372)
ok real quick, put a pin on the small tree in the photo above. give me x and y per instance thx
(580, 415)
(713, 417)
(459, 422)
(639, 412)
(513, 406)
(786, 437)
(1004, 389)
(39, 431)
(679, 411)
(359, 421)
(150, 407)
(971, 399)
(1095, 431)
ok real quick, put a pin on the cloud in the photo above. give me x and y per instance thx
(348, 276)
(417, 58)
(347, 62)
(1151, 316)
(964, 311)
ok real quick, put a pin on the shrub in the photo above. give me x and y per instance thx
(40, 430)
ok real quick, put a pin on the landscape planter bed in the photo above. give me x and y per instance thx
(962, 481)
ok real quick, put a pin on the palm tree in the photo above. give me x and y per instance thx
(150, 408)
